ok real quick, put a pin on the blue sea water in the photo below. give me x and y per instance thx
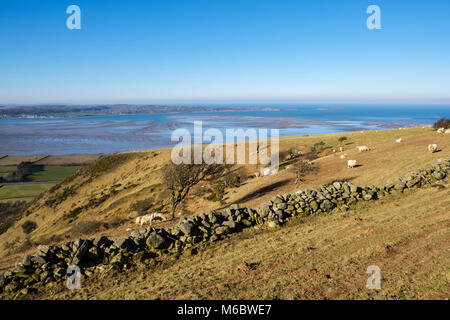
(119, 133)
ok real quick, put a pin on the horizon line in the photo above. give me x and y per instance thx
(200, 102)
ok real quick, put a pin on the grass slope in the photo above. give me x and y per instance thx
(318, 257)
(106, 191)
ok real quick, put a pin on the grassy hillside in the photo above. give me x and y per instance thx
(103, 197)
(316, 257)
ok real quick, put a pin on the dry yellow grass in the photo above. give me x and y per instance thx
(139, 178)
(319, 257)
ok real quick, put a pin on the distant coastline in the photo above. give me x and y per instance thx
(70, 111)
(111, 133)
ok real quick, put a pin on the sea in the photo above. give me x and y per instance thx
(121, 133)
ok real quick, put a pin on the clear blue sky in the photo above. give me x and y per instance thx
(224, 50)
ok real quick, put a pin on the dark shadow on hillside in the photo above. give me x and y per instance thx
(343, 180)
(262, 191)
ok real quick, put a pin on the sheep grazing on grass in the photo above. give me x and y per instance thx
(362, 148)
(440, 130)
(343, 156)
(351, 163)
(432, 148)
(398, 140)
(268, 171)
(148, 218)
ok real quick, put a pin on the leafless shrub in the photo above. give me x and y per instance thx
(180, 178)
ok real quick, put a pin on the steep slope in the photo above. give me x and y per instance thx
(316, 257)
(103, 194)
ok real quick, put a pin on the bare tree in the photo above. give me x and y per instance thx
(302, 168)
(342, 139)
(180, 178)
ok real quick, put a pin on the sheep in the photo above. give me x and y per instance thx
(440, 130)
(432, 147)
(341, 149)
(268, 171)
(148, 218)
(343, 156)
(362, 148)
(398, 140)
(351, 163)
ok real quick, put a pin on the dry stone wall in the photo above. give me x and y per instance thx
(50, 263)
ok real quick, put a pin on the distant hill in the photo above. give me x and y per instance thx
(62, 111)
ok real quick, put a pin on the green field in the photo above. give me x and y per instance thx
(53, 173)
(27, 191)
(7, 169)
(23, 191)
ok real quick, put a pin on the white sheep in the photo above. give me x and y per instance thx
(268, 171)
(362, 148)
(351, 163)
(148, 218)
(432, 147)
(398, 140)
(440, 130)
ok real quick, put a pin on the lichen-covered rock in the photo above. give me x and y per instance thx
(187, 228)
(101, 241)
(156, 241)
(222, 230)
(81, 251)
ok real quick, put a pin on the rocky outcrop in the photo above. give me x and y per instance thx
(50, 263)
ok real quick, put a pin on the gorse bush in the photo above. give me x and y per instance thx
(342, 139)
(217, 193)
(28, 226)
(442, 123)
(232, 181)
